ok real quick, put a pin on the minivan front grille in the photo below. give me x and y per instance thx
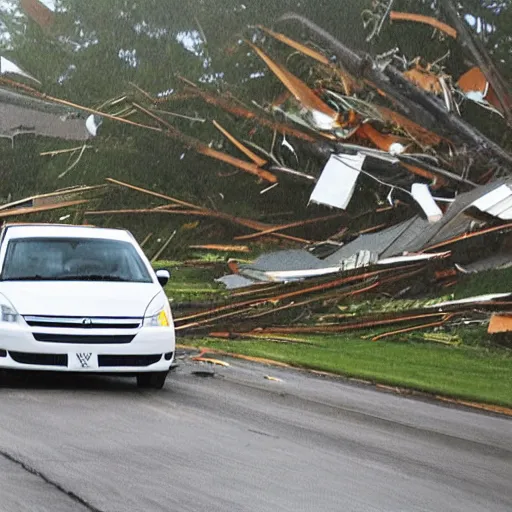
(85, 339)
(83, 322)
(39, 359)
(128, 360)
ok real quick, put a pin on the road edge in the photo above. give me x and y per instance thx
(402, 391)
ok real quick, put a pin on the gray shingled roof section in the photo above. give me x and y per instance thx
(294, 259)
(23, 114)
(421, 234)
(458, 225)
(374, 242)
(18, 120)
(408, 238)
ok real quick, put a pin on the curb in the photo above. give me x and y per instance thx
(496, 409)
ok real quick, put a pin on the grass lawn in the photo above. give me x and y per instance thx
(466, 372)
(189, 284)
(491, 281)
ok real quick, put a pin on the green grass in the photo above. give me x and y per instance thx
(465, 372)
(492, 281)
(189, 284)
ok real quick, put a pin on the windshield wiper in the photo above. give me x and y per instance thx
(91, 277)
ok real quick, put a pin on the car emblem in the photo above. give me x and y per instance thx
(84, 359)
(87, 322)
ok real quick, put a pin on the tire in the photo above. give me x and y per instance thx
(151, 380)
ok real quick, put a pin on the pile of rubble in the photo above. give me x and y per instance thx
(389, 127)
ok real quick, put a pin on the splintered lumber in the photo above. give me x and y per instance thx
(199, 323)
(42, 199)
(222, 248)
(164, 246)
(239, 111)
(274, 310)
(244, 149)
(481, 57)
(415, 328)
(203, 149)
(306, 50)
(500, 323)
(302, 290)
(349, 83)
(204, 212)
(416, 104)
(152, 193)
(299, 223)
(37, 209)
(170, 132)
(332, 295)
(195, 210)
(420, 18)
(236, 162)
(467, 236)
(348, 326)
(277, 339)
(297, 87)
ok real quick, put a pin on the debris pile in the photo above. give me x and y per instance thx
(417, 195)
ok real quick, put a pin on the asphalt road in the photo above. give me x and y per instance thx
(238, 442)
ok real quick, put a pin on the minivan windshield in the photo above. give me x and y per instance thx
(73, 259)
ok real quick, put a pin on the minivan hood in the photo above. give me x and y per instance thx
(78, 298)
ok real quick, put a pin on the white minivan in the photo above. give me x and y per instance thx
(82, 299)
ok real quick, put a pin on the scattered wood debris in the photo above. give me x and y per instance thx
(420, 195)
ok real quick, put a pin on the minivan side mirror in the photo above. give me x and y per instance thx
(163, 276)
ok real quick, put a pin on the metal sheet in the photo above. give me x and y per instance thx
(337, 182)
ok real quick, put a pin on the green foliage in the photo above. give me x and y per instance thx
(190, 284)
(491, 281)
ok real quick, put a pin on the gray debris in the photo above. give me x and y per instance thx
(285, 260)
(375, 243)
(233, 281)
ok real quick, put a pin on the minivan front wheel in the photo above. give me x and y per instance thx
(151, 380)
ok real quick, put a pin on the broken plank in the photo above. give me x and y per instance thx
(152, 193)
(37, 209)
(427, 20)
(299, 223)
(221, 248)
(247, 152)
(201, 213)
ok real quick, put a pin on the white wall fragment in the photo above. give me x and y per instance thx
(337, 182)
(6, 66)
(421, 193)
(497, 203)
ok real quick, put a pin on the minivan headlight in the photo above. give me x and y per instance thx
(158, 313)
(159, 320)
(8, 312)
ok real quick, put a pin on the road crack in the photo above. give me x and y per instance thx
(29, 469)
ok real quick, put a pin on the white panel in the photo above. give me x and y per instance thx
(6, 66)
(423, 197)
(501, 207)
(489, 200)
(337, 182)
